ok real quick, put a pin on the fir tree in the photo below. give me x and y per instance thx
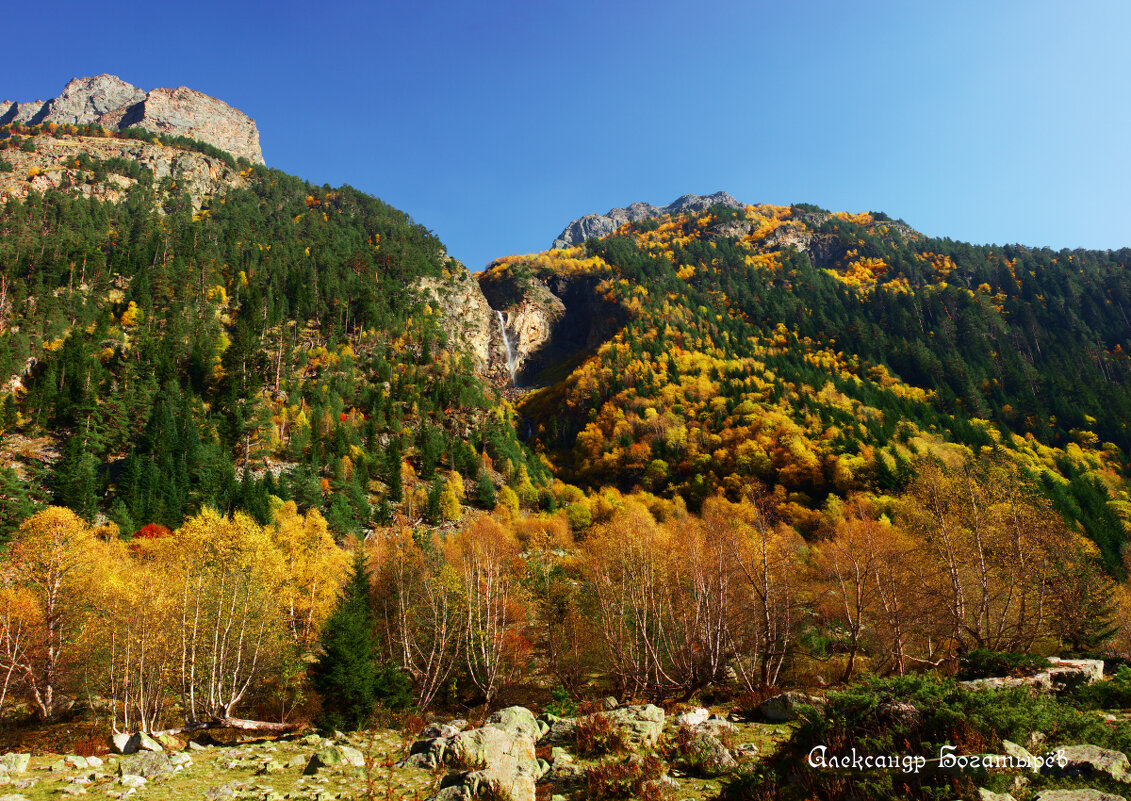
(348, 675)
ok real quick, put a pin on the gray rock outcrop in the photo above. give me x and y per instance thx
(109, 101)
(598, 225)
(1063, 674)
(496, 759)
(784, 706)
(1088, 760)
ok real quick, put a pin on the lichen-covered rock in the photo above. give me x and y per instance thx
(14, 763)
(990, 795)
(140, 741)
(641, 726)
(783, 707)
(1087, 760)
(516, 720)
(1084, 794)
(148, 765)
(334, 755)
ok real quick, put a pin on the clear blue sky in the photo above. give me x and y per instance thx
(496, 123)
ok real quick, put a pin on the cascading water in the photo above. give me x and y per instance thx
(512, 359)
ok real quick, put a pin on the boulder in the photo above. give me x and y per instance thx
(1086, 794)
(517, 720)
(1019, 754)
(147, 764)
(334, 755)
(140, 741)
(498, 758)
(1087, 760)
(14, 763)
(702, 754)
(783, 707)
(120, 743)
(641, 726)
(694, 718)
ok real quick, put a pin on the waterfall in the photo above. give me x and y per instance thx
(512, 359)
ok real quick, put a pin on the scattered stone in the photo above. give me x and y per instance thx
(73, 789)
(1019, 754)
(783, 707)
(94, 762)
(13, 797)
(148, 765)
(704, 754)
(746, 751)
(334, 755)
(989, 795)
(14, 763)
(132, 780)
(170, 743)
(219, 793)
(269, 767)
(609, 703)
(140, 741)
(77, 762)
(896, 713)
(1086, 760)
(641, 726)
(1086, 794)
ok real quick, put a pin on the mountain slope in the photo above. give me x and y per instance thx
(819, 355)
(221, 339)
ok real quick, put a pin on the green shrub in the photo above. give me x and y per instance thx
(562, 705)
(1113, 694)
(983, 663)
(914, 716)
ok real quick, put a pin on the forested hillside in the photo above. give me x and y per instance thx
(164, 359)
(813, 356)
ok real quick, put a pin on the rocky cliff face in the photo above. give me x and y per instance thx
(464, 314)
(550, 320)
(109, 101)
(598, 225)
(53, 166)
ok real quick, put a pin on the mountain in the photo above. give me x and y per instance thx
(181, 330)
(820, 355)
(598, 225)
(109, 102)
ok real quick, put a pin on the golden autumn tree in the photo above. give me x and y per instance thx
(484, 555)
(46, 577)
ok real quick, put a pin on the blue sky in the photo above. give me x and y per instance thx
(496, 123)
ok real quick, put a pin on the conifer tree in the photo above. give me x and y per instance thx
(348, 675)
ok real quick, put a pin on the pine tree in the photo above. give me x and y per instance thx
(347, 675)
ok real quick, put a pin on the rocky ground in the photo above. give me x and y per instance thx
(513, 753)
(614, 751)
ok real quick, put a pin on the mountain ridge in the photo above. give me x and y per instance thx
(108, 101)
(598, 225)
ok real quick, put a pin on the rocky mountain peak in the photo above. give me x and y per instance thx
(109, 101)
(598, 225)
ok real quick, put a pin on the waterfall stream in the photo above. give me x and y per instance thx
(512, 359)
